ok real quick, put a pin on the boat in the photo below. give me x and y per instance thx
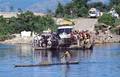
(64, 38)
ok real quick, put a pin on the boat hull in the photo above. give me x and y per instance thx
(72, 47)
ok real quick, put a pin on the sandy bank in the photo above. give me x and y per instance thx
(18, 40)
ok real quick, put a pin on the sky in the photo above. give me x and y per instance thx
(34, 5)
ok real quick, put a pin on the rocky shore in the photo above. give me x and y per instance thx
(107, 39)
(99, 39)
(18, 40)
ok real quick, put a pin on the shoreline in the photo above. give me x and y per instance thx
(18, 40)
(28, 41)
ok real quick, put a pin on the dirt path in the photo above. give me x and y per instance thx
(85, 24)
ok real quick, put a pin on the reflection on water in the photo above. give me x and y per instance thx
(56, 56)
(92, 62)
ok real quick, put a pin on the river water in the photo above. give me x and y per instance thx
(102, 61)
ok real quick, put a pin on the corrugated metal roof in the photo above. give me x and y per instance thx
(64, 22)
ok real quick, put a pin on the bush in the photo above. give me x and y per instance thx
(107, 19)
(75, 8)
(6, 37)
(25, 21)
(117, 22)
(29, 22)
(117, 8)
(82, 12)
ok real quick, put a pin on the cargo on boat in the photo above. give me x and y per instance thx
(64, 38)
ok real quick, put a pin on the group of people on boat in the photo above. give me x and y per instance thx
(52, 39)
(81, 36)
(44, 40)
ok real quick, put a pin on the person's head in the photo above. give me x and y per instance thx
(66, 52)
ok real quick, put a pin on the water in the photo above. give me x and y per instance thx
(102, 61)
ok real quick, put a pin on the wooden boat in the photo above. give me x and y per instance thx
(64, 40)
(72, 47)
(48, 64)
(42, 48)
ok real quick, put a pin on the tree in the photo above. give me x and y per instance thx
(114, 2)
(79, 8)
(25, 21)
(3, 26)
(60, 10)
(72, 9)
(82, 12)
(107, 19)
(12, 24)
(80, 3)
(29, 22)
(98, 5)
(117, 8)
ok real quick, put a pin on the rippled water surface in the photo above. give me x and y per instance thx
(102, 61)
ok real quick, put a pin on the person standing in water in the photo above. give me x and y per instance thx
(66, 56)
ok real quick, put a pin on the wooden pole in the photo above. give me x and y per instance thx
(36, 65)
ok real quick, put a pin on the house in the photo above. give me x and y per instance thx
(114, 13)
(25, 34)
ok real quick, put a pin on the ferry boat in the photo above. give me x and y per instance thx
(64, 38)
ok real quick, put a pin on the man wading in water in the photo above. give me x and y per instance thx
(66, 57)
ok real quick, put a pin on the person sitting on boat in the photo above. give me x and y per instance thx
(39, 41)
(36, 40)
(54, 41)
(49, 41)
(72, 37)
(44, 41)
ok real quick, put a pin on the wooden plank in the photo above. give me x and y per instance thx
(36, 65)
(42, 48)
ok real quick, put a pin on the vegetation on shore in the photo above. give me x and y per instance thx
(109, 20)
(25, 21)
(76, 8)
(80, 8)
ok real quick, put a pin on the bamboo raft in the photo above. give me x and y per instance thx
(48, 64)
